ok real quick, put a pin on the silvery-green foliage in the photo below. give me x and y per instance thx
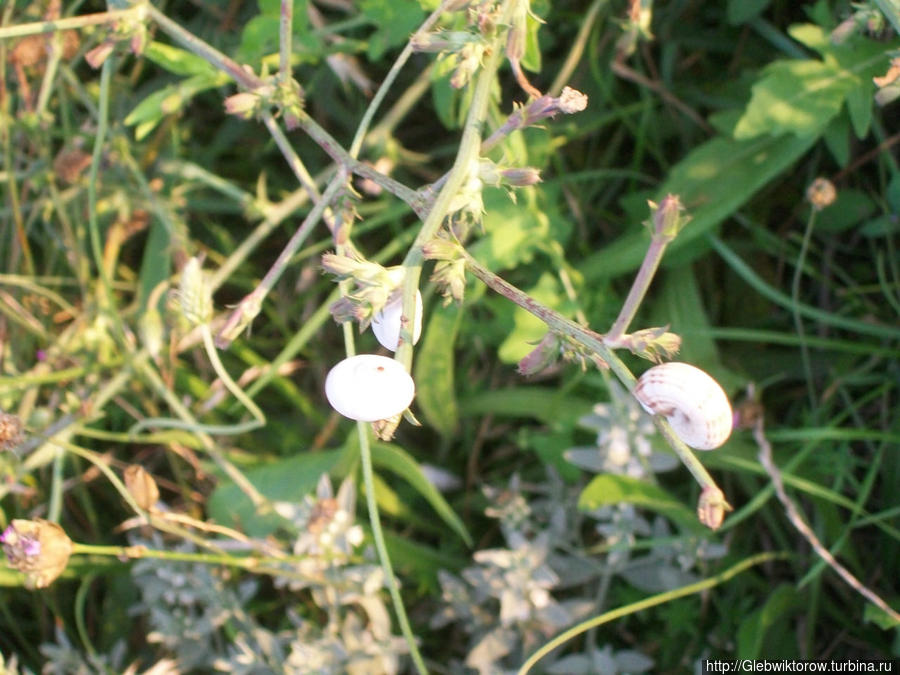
(508, 602)
(63, 658)
(624, 444)
(187, 606)
(197, 612)
(605, 660)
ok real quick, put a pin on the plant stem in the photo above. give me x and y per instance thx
(365, 452)
(469, 149)
(286, 37)
(638, 289)
(250, 305)
(69, 23)
(596, 343)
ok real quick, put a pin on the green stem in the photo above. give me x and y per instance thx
(652, 601)
(250, 305)
(69, 23)
(469, 149)
(229, 383)
(365, 452)
(798, 320)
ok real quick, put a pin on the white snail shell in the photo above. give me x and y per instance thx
(691, 400)
(386, 322)
(368, 388)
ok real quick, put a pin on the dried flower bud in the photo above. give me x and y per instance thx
(38, 548)
(712, 507)
(467, 63)
(141, 486)
(571, 101)
(10, 431)
(821, 193)
(521, 177)
(653, 344)
(244, 104)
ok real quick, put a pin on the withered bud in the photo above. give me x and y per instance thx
(141, 486)
(712, 507)
(244, 104)
(10, 431)
(521, 177)
(544, 355)
(821, 193)
(571, 101)
(667, 217)
(38, 548)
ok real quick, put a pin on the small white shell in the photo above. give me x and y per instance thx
(386, 323)
(691, 400)
(368, 388)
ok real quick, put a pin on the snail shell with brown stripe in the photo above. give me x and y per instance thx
(692, 401)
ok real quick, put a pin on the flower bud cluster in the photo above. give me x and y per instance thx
(373, 287)
(450, 271)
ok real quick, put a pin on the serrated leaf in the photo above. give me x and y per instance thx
(610, 489)
(397, 460)
(435, 395)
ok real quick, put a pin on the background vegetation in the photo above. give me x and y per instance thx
(517, 509)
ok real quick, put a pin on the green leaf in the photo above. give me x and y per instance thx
(546, 404)
(177, 61)
(156, 262)
(514, 230)
(288, 479)
(435, 395)
(397, 460)
(609, 489)
(396, 20)
(168, 100)
(680, 305)
(751, 636)
(800, 96)
(713, 181)
(876, 615)
(837, 138)
(742, 11)
(529, 329)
